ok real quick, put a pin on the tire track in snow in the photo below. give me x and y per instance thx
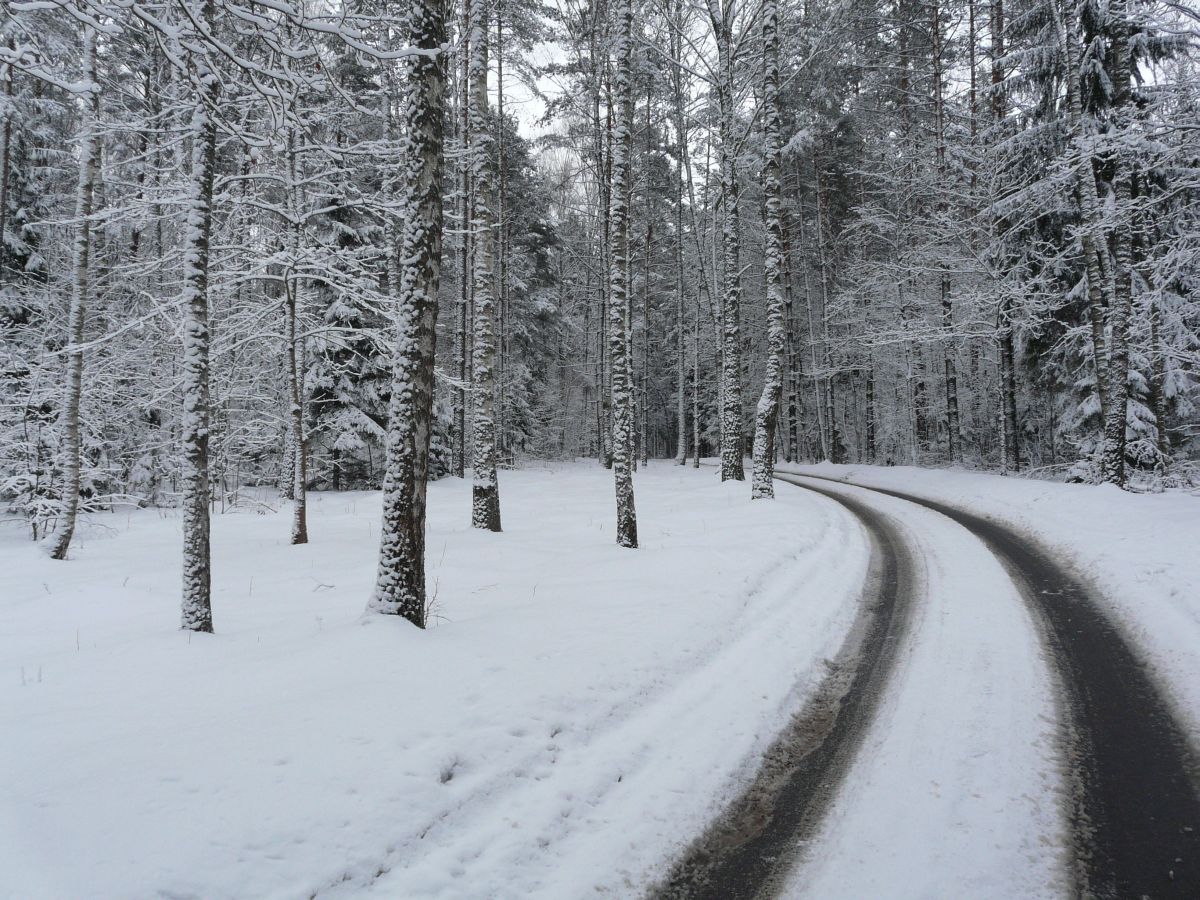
(444, 842)
(1135, 782)
(749, 850)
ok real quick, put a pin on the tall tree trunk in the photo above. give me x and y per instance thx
(681, 439)
(834, 445)
(503, 438)
(400, 577)
(89, 161)
(953, 436)
(294, 348)
(1093, 246)
(767, 413)
(197, 571)
(696, 384)
(818, 402)
(644, 390)
(1119, 314)
(1158, 384)
(6, 116)
(461, 354)
(953, 425)
(732, 450)
(794, 356)
(1010, 449)
(681, 149)
(297, 441)
(872, 454)
(485, 488)
(618, 336)
(1008, 392)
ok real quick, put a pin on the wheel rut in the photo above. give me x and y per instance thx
(750, 848)
(1134, 779)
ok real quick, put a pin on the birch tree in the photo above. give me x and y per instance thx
(89, 164)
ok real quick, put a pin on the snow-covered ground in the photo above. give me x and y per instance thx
(1141, 553)
(576, 713)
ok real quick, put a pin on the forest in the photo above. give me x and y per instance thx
(338, 244)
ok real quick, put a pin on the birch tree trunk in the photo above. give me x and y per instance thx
(767, 414)
(297, 440)
(197, 573)
(89, 161)
(294, 348)
(618, 314)
(485, 487)
(400, 577)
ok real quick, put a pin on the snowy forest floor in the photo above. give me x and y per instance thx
(576, 714)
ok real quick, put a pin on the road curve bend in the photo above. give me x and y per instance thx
(747, 852)
(1134, 778)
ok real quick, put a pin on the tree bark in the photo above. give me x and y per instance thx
(618, 337)
(1119, 314)
(197, 572)
(485, 487)
(461, 354)
(767, 413)
(89, 163)
(1093, 246)
(732, 450)
(400, 577)
(294, 348)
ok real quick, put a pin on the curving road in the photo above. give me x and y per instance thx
(1133, 816)
(748, 851)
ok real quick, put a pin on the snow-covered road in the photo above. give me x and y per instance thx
(957, 791)
(1043, 729)
(954, 787)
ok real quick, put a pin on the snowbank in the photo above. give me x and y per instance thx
(575, 714)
